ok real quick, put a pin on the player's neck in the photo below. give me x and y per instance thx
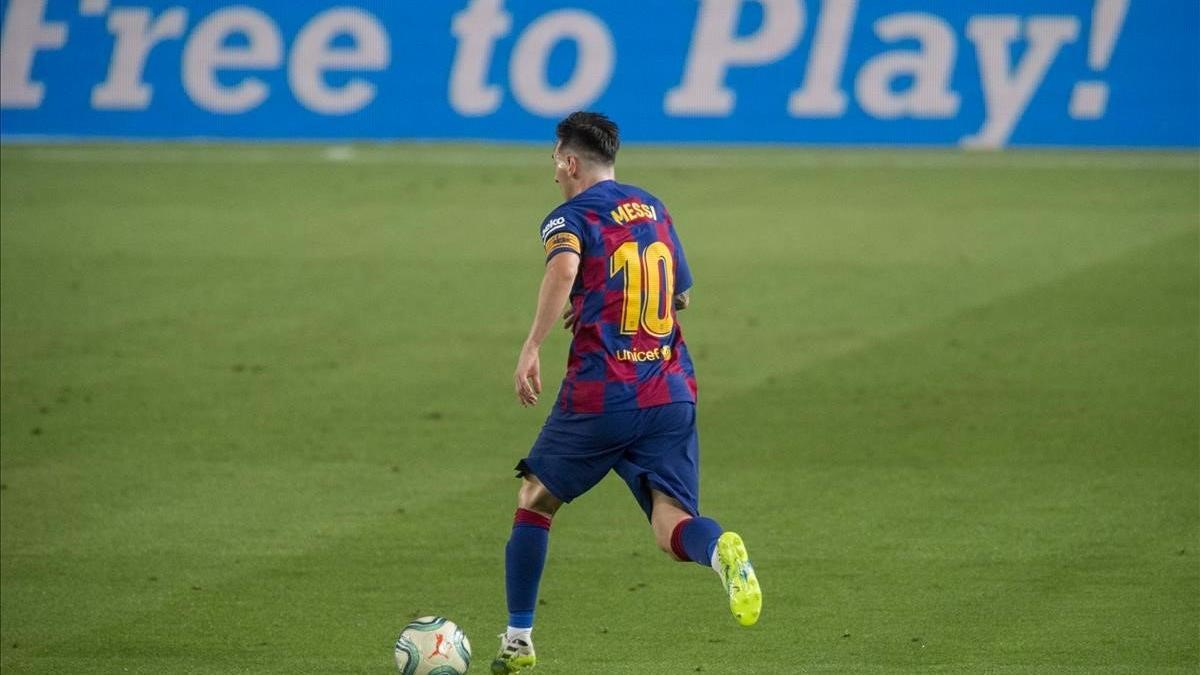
(588, 181)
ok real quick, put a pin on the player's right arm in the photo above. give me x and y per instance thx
(562, 238)
(556, 287)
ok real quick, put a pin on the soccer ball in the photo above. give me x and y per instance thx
(432, 645)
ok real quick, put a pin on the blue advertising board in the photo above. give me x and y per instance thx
(974, 73)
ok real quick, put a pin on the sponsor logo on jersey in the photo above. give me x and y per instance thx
(552, 225)
(657, 354)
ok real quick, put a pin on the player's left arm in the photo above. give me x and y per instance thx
(682, 300)
(556, 288)
(683, 273)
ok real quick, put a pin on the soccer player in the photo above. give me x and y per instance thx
(628, 401)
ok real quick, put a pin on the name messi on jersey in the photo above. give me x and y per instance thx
(632, 211)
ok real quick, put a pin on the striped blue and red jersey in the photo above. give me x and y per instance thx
(628, 350)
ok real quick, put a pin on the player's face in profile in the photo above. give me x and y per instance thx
(562, 168)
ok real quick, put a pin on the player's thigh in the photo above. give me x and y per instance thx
(572, 453)
(665, 458)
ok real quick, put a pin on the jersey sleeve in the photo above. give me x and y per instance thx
(562, 232)
(683, 273)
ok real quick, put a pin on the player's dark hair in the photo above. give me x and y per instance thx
(592, 134)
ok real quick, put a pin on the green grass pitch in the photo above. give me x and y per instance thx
(257, 410)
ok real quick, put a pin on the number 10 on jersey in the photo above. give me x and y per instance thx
(649, 287)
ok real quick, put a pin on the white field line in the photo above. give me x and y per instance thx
(672, 158)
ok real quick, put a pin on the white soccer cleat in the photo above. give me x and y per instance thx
(515, 655)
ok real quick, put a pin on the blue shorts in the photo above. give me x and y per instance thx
(651, 448)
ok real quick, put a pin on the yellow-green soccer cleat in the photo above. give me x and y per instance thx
(514, 656)
(745, 595)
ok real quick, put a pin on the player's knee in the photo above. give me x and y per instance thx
(533, 496)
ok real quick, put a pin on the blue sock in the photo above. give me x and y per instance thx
(524, 558)
(695, 538)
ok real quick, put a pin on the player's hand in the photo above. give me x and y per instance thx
(570, 318)
(528, 377)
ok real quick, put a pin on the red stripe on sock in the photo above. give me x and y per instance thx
(677, 540)
(527, 517)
